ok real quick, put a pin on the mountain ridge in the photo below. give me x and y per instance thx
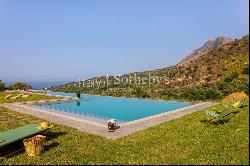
(214, 66)
(207, 46)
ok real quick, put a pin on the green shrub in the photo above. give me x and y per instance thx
(238, 85)
(201, 93)
(1, 85)
(20, 85)
(245, 70)
(228, 79)
(168, 98)
(234, 76)
(139, 92)
(170, 93)
(208, 91)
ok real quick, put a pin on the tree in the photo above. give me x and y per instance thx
(245, 70)
(234, 76)
(1, 85)
(139, 92)
(20, 85)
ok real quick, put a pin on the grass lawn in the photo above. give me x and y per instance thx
(181, 141)
(32, 97)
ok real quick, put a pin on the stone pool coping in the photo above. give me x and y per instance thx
(95, 128)
(160, 115)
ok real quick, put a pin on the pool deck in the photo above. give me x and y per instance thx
(95, 128)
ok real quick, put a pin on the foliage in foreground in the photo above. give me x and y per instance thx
(182, 141)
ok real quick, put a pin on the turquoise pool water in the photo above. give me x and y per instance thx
(107, 107)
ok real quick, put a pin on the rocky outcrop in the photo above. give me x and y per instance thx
(208, 46)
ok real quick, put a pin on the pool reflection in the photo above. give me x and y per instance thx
(78, 103)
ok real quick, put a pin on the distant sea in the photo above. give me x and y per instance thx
(40, 85)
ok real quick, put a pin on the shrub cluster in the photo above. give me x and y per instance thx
(19, 85)
(1, 85)
(209, 91)
(245, 70)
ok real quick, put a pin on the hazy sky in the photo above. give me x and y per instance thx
(42, 40)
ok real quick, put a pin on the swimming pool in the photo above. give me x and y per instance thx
(107, 107)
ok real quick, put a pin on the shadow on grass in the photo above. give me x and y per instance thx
(8, 149)
(50, 146)
(217, 122)
(52, 135)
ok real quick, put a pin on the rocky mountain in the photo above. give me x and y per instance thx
(224, 62)
(208, 46)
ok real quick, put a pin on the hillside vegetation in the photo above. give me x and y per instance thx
(221, 71)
